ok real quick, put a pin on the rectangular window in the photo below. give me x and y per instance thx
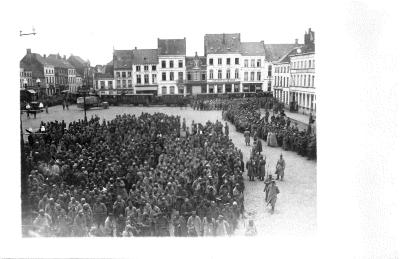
(236, 61)
(137, 68)
(196, 76)
(123, 83)
(110, 84)
(219, 74)
(252, 63)
(220, 61)
(180, 76)
(138, 79)
(171, 76)
(123, 74)
(164, 76)
(258, 62)
(236, 88)
(203, 76)
(118, 83)
(146, 68)
(180, 64)
(102, 84)
(246, 63)
(163, 64)
(219, 88)
(228, 61)
(258, 76)
(211, 74)
(154, 78)
(228, 74)
(146, 78)
(129, 74)
(153, 67)
(118, 74)
(252, 76)
(211, 62)
(171, 63)
(188, 77)
(236, 73)
(269, 70)
(246, 76)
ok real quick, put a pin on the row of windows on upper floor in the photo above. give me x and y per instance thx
(228, 61)
(297, 80)
(228, 75)
(282, 69)
(171, 64)
(310, 63)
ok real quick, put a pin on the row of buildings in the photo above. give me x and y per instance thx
(227, 66)
(52, 74)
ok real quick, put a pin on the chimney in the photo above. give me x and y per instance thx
(65, 57)
(44, 55)
(296, 41)
(28, 51)
(135, 48)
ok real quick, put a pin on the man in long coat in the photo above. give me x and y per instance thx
(272, 191)
(280, 168)
(262, 169)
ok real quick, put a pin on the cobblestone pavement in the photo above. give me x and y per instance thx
(295, 211)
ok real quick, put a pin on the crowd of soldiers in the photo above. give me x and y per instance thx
(246, 116)
(209, 104)
(133, 176)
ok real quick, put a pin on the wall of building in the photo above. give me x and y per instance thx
(171, 85)
(213, 81)
(302, 87)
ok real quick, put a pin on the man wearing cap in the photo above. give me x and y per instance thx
(222, 226)
(194, 225)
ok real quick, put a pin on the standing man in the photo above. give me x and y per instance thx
(247, 137)
(280, 168)
(272, 192)
(267, 183)
(226, 129)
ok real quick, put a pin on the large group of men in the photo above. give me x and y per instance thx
(133, 176)
(277, 129)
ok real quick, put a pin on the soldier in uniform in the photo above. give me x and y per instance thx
(280, 168)
(272, 192)
(247, 137)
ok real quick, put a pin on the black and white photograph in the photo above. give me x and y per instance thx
(191, 122)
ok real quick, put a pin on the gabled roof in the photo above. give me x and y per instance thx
(57, 61)
(172, 46)
(190, 62)
(221, 43)
(252, 49)
(123, 59)
(145, 56)
(274, 52)
(78, 59)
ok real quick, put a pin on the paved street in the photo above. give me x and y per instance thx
(295, 211)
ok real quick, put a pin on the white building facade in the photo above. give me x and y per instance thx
(281, 80)
(223, 55)
(302, 89)
(171, 66)
(253, 67)
(145, 75)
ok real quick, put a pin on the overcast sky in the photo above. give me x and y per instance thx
(92, 29)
